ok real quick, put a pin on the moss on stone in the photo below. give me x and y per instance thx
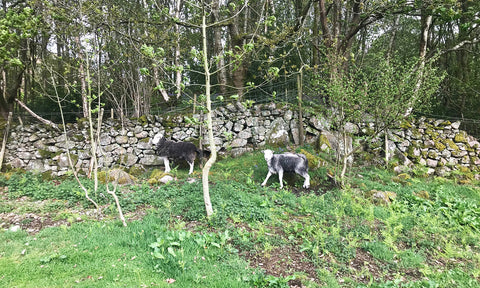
(381, 197)
(451, 144)
(416, 133)
(469, 149)
(473, 160)
(432, 154)
(143, 120)
(461, 137)
(82, 122)
(411, 154)
(431, 133)
(136, 170)
(422, 194)
(405, 124)
(102, 177)
(74, 158)
(439, 145)
(463, 169)
(45, 154)
(116, 175)
(322, 141)
(48, 176)
(78, 137)
(314, 161)
(402, 178)
(155, 176)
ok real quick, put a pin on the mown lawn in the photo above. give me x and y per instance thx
(425, 234)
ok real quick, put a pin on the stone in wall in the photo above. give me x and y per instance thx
(277, 134)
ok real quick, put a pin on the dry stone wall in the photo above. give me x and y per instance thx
(437, 144)
(35, 147)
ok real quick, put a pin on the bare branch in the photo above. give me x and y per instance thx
(44, 121)
(460, 45)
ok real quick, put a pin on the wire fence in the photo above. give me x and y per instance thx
(284, 92)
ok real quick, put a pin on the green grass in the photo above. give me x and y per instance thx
(108, 255)
(426, 237)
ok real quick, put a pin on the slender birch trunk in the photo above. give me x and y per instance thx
(178, 67)
(213, 155)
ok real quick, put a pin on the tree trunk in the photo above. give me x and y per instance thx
(9, 92)
(83, 81)
(239, 71)
(315, 40)
(300, 112)
(392, 38)
(5, 139)
(178, 70)
(239, 75)
(426, 21)
(213, 155)
(218, 50)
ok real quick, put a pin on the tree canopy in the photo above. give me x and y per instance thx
(142, 57)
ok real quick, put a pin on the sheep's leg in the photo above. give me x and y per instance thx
(266, 179)
(191, 167)
(166, 162)
(306, 184)
(280, 178)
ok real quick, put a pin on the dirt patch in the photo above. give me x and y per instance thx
(282, 262)
(30, 222)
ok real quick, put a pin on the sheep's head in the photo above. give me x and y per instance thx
(156, 139)
(268, 154)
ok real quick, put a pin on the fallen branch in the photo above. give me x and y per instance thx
(44, 121)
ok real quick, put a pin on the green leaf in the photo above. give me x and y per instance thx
(171, 251)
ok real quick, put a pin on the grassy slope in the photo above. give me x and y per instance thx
(344, 238)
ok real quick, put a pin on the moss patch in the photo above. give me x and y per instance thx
(405, 124)
(47, 154)
(323, 143)
(314, 161)
(155, 177)
(439, 145)
(461, 137)
(451, 144)
(116, 175)
(422, 194)
(402, 178)
(445, 123)
(431, 133)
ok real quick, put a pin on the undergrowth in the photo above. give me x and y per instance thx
(427, 235)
